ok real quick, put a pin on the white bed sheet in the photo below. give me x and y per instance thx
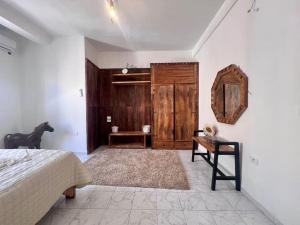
(32, 180)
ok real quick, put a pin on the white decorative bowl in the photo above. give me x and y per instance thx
(209, 130)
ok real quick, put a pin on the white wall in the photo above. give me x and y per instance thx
(91, 52)
(266, 46)
(10, 120)
(19, 23)
(52, 76)
(141, 59)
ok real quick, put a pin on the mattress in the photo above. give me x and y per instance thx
(31, 181)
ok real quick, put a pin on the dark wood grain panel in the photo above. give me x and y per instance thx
(93, 106)
(170, 73)
(185, 111)
(131, 107)
(105, 104)
(98, 102)
(163, 114)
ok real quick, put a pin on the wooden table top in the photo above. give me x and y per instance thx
(209, 145)
(129, 133)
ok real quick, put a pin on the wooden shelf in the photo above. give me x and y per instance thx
(131, 82)
(130, 133)
(129, 145)
(130, 74)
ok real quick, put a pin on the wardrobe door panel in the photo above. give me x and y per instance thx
(163, 112)
(171, 73)
(185, 112)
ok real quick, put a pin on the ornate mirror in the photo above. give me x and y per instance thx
(229, 94)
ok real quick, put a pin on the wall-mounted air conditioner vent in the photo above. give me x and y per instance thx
(7, 45)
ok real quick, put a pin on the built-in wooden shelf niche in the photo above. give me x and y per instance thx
(126, 98)
(131, 101)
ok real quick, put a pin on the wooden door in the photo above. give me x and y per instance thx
(105, 105)
(163, 116)
(185, 114)
(92, 106)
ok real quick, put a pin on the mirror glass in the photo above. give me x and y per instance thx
(231, 98)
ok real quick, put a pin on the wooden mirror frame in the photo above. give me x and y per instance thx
(236, 99)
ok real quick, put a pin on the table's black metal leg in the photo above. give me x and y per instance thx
(237, 168)
(193, 151)
(208, 155)
(215, 167)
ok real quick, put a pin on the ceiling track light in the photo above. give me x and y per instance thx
(253, 7)
(112, 10)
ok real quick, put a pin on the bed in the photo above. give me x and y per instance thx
(32, 180)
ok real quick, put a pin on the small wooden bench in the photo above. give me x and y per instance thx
(128, 134)
(218, 148)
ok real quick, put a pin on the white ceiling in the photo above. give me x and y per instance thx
(143, 24)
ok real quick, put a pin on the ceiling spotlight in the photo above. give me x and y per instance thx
(253, 7)
(112, 10)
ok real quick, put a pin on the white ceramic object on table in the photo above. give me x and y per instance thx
(114, 129)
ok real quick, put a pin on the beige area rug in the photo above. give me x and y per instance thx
(138, 168)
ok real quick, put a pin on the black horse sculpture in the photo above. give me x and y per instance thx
(32, 140)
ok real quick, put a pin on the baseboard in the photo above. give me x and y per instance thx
(256, 203)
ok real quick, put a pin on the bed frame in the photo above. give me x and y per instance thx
(70, 193)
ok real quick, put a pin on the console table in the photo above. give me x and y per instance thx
(218, 148)
(128, 134)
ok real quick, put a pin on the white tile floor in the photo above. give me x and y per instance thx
(104, 205)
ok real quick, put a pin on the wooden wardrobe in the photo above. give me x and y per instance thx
(174, 92)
